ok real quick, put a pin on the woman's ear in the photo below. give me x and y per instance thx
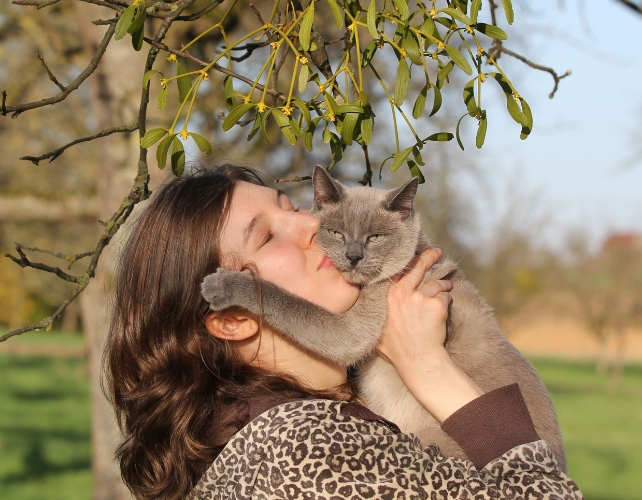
(231, 325)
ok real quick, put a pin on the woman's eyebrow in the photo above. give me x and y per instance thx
(247, 232)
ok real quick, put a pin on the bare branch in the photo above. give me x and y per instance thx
(631, 5)
(71, 259)
(367, 176)
(552, 72)
(91, 67)
(202, 12)
(51, 75)
(23, 262)
(52, 155)
(38, 4)
(3, 107)
(293, 179)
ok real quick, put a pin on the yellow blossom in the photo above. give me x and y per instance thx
(183, 134)
(441, 46)
(434, 55)
(331, 116)
(482, 77)
(393, 20)
(246, 99)
(163, 82)
(470, 29)
(403, 53)
(204, 74)
(261, 107)
(392, 101)
(287, 110)
(433, 13)
(480, 51)
(321, 88)
(516, 96)
(303, 60)
(172, 58)
(350, 26)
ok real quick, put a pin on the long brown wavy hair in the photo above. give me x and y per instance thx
(179, 393)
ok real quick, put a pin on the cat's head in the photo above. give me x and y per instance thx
(369, 234)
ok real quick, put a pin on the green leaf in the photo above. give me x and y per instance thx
(455, 14)
(138, 22)
(481, 131)
(347, 128)
(508, 9)
(400, 158)
(401, 82)
(458, 59)
(138, 38)
(417, 155)
(430, 29)
(296, 129)
(309, 136)
(368, 54)
(284, 124)
(148, 77)
(306, 27)
(440, 136)
(178, 157)
(491, 31)
(366, 130)
(336, 148)
(256, 126)
(420, 103)
(463, 5)
(412, 48)
(443, 73)
(338, 15)
(124, 22)
(371, 20)
(402, 5)
(152, 137)
(332, 104)
(528, 128)
(348, 108)
(447, 22)
(469, 96)
(202, 143)
(474, 10)
(303, 107)
(461, 144)
(235, 115)
(184, 83)
(304, 73)
(327, 135)
(437, 102)
(415, 172)
(229, 93)
(515, 112)
(363, 98)
(162, 97)
(162, 149)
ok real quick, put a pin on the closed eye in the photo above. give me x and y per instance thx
(336, 234)
(268, 236)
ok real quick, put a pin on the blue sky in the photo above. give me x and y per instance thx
(578, 157)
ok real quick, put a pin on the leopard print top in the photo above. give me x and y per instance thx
(309, 450)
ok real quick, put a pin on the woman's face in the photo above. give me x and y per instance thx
(263, 227)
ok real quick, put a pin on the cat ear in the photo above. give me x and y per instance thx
(401, 199)
(326, 189)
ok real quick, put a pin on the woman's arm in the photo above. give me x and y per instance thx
(413, 341)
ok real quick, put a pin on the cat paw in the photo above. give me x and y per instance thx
(226, 288)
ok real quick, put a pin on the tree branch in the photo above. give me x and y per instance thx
(91, 67)
(52, 155)
(552, 72)
(201, 13)
(23, 262)
(51, 75)
(631, 5)
(71, 259)
(293, 179)
(38, 4)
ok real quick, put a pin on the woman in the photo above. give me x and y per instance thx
(221, 398)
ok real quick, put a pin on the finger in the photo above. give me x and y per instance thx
(415, 275)
(432, 288)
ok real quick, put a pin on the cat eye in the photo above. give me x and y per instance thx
(376, 237)
(335, 234)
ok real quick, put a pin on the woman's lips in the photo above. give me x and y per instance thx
(326, 263)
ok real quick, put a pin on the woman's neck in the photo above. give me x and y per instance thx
(273, 352)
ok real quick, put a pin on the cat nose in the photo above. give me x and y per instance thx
(354, 258)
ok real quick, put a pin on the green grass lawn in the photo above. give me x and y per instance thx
(45, 436)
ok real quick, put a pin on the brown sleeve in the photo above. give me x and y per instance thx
(492, 424)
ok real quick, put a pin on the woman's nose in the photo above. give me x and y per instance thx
(307, 227)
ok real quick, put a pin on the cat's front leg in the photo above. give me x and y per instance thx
(342, 338)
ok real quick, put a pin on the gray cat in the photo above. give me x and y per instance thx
(370, 235)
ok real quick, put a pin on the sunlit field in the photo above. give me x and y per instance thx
(45, 431)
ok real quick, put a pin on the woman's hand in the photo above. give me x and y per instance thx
(414, 336)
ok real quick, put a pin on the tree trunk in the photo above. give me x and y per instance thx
(602, 365)
(114, 90)
(618, 362)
